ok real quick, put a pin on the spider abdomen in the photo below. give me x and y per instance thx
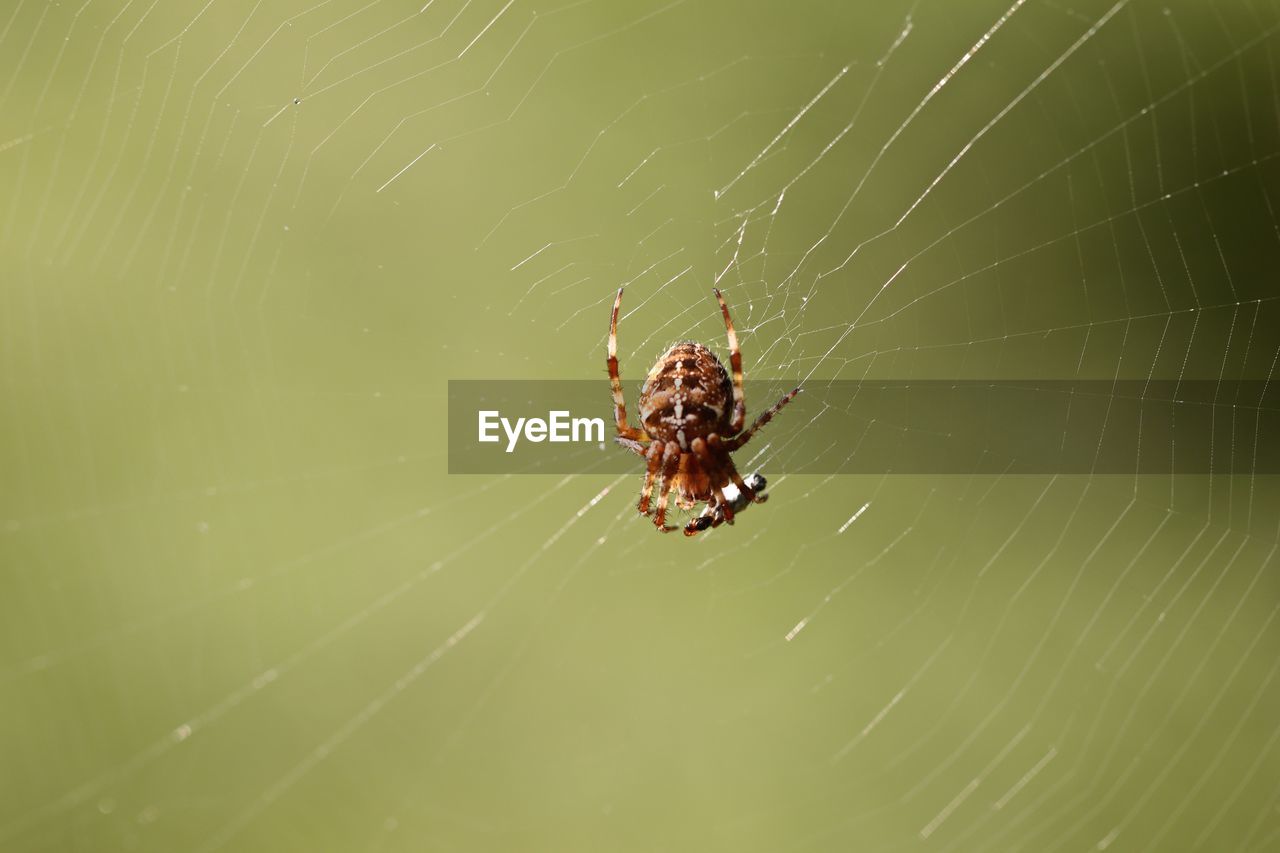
(687, 395)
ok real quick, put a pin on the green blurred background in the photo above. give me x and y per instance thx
(243, 246)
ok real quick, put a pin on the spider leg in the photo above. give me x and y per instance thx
(697, 524)
(723, 505)
(735, 363)
(706, 519)
(746, 492)
(670, 462)
(713, 463)
(740, 439)
(654, 457)
(625, 430)
(631, 444)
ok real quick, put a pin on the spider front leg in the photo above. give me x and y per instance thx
(735, 364)
(625, 430)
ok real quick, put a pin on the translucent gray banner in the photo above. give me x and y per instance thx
(897, 427)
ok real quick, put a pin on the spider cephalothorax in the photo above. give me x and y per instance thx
(691, 416)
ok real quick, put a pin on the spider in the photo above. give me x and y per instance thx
(688, 429)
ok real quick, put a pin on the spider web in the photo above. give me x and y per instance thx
(244, 245)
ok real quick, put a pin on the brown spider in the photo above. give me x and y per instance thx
(690, 428)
